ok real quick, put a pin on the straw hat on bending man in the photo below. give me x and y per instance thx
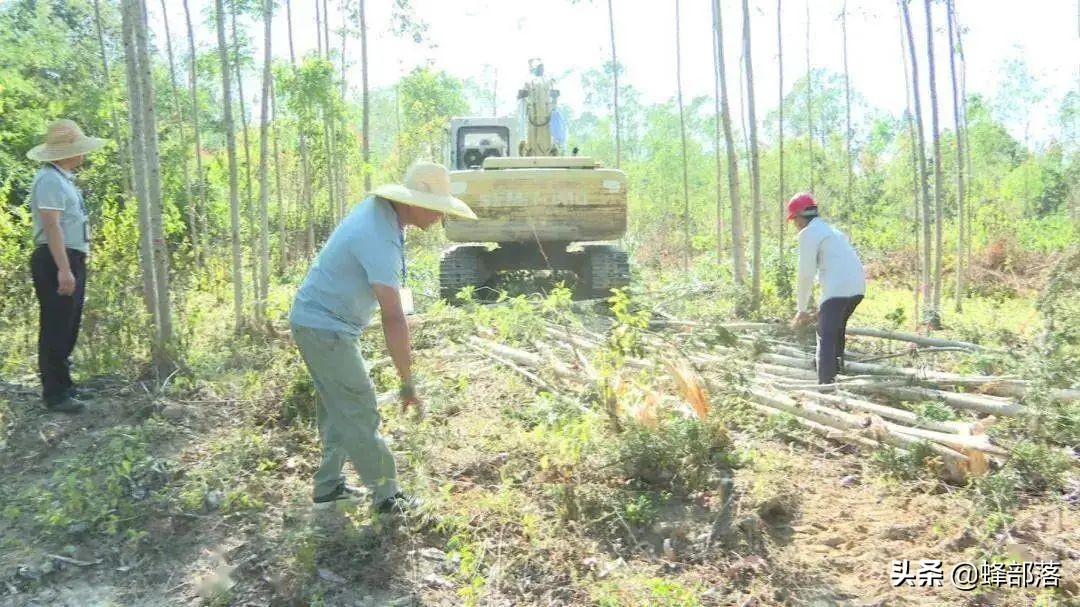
(361, 266)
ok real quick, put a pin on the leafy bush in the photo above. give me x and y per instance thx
(104, 490)
(681, 454)
(1038, 468)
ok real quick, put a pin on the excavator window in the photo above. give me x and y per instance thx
(475, 143)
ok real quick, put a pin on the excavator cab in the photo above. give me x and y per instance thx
(473, 140)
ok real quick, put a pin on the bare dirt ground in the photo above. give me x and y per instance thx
(203, 498)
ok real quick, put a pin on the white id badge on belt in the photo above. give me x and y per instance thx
(406, 300)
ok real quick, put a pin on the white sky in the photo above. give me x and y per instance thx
(473, 38)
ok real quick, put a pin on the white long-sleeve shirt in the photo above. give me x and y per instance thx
(825, 250)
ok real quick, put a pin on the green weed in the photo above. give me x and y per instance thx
(106, 489)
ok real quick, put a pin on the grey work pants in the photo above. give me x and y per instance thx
(833, 315)
(347, 413)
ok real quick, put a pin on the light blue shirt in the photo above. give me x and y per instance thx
(366, 248)
(559, 130)
(54, 189)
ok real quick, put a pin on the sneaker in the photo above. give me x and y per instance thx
(68, 405)
(343, 494)
(80, 394)
(400, 503)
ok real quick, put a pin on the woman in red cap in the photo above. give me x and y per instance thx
(824, 250)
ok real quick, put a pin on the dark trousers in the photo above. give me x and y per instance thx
(833, 317)
(59, 320)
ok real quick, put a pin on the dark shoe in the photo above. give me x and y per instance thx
(80, 394)
(343, 494)
(68, 405)
(400, 503)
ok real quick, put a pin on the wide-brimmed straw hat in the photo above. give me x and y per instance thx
(426, 185)
(64, 139)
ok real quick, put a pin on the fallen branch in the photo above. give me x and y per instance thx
(823, 430)
(914, 351)
(532, 377)
(883, 431)
(521, 357)
(76, 562)
(887, 412)
(957, 441)
(970, 402)
(921, 340)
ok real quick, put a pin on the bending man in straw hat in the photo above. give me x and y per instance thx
(58, 263)
(361, 265)
(825, 251)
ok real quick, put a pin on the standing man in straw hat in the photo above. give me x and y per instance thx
(58, 264)
(363, 265)
(825, 251)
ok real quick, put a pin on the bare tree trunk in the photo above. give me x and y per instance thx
(230, 147)
(809, 100)
(615, 85)
(970, 223)
(130, 19)
(305, 158)
(121, 152)
(923, 185)
(960, 134)
(782, 253)
(745, 132)
(341, 158)
(203, 209)
(365, 141)
(719, 158)
(145, 90)
(157, 225)
(328, 129)
(264, 168)
(318, 28)
(737, 254)
(326, 27)
(938, 178)
(847, 111)
(915, 174)
(283, 211)
(256, 290)
(189, 200)
(755, 169)
(682, 131)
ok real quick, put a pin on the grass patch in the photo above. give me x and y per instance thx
(107, 490)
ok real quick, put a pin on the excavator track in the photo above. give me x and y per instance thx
(460, 267)
(604, 267)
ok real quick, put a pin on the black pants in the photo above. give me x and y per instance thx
(60, 317)
(833, 317)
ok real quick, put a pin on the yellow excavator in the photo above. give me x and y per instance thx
(541, 209)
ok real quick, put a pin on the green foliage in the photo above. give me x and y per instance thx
(515, 320)
(681, 454)
(105, 490)
(934, 411)
(428, 99)
(919, 462)
(1039, 468)
(625, 339)
(647, 592)
(238, 467)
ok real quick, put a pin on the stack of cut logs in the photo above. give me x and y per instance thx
(859, 409)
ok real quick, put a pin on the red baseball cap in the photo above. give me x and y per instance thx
(799, 203)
